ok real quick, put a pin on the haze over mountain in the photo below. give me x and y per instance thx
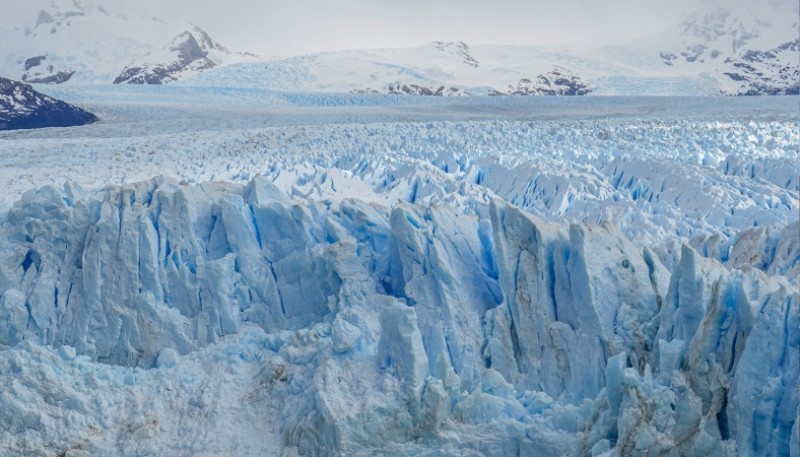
(710, 48)
(290, 28)
(714, 49)
(89, 42)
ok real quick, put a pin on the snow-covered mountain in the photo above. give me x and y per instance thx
(21, 107)
(87, 42)
(434, 69)
(749, 48)
(437, 68)
(189, 52)
(712, 50)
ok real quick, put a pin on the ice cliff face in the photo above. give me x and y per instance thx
(344, 328)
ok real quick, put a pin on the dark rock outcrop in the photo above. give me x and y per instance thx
(751, 52)
(21, 107)
(764, 73)
(398, 88)
(37, 73)
(558, 81)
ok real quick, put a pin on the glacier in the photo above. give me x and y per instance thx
(375, 275)
(351, 327)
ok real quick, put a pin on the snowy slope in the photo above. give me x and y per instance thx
(434, 69)
(715, 49)
(749, 48)
(438, 68)
(87, 42)
(187, 53)
(21, 107)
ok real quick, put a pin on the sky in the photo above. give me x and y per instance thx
(270, 27)
(283, 27)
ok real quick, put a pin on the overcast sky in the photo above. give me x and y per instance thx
(271, 27)
(284, 27)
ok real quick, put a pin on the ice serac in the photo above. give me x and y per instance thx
(160, 266)
(562, 293)
(705, 394)
(350, 328)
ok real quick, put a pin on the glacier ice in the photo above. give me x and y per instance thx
(364, 274)
(218, 318)
(692, 170)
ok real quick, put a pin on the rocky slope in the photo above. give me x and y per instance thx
(21, 107)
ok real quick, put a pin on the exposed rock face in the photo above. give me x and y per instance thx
(34, 62)
(36, 72)
(558, 81)
(188, 52)
(36, 68)
(763, 73)
(415, 89)
(21, 107)
(56, 78)
(399, 88)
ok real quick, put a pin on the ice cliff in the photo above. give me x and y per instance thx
(161, 318)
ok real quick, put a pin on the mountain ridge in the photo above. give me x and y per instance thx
(715, 49)
(21, 107)
(85, 43)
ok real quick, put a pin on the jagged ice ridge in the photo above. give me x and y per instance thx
(355, 274)
(414, 330)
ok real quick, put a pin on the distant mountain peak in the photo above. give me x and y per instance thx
(456, 48)
(191, 50)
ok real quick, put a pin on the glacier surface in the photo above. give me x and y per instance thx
(407, 281)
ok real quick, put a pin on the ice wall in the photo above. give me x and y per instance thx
(414, 330)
